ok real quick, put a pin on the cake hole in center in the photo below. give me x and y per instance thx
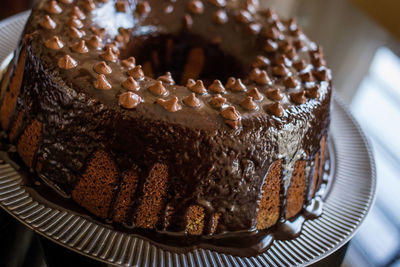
(186, 56)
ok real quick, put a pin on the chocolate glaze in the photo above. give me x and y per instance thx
(212, 165)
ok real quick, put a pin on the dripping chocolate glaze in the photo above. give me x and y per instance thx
(210, 164)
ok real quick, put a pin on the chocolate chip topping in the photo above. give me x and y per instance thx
(272, 33)
(80, 47)
(158, 89)
(89, 5)
(195, 7)
(137, 72)
(306, 77)
(143, 8)
(254, 74)
(220, 17)
(270, 46)
(313, 92)
(244, 16)
(75, 33)
(192, 101)
(318, 62)
(255, 94)
(129, 62)
(187, 21)
(262, 78)
(98, 31)
(198, 87)
(129, 100)
(67, 62)
(102, 68)
(232, 124)
(217, 87)
(230, 113)
(254, 28)
(109, 55)
(169, 9)
(299, 44)
(281, 59)
(95, 42)
(280, 70)
(238, 86)
(322, 75)
(274, 94)
(218, 3)
(217, 101)
(131, 84)
(101, 83)
(290, 82)
(76, 11)
(270, 14)
(290, 52)
(48, 23)
(120, 6)
(230, 82)
(53, 8)
(170, 105)
(54, 43)
(190, 83)
(248, 103)
(298, 97)
(167, 78)
(300, 65)
(75, 22)
(275, 109)
(261, 62)
(67, 2)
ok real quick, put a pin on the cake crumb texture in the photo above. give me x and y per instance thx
(154, 192)
(268, 208)
(125, 199)
(29, 142)
(295, 198)
(315, 175)
(15, 126)
(96, 187)
(195, 220)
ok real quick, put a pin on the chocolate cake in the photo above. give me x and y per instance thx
(191, 117)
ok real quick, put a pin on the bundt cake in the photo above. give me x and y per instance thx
(192, 117)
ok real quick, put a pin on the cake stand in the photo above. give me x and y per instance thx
(347, 202)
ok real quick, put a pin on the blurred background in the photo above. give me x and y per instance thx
(361, 44)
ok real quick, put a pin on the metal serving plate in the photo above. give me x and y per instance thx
(350, 197)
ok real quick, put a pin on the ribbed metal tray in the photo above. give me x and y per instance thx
(350, 197)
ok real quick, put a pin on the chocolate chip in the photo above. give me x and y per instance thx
(131, 84)
(274, 94)
(232, 124)
(170, 105)
(143, 8)
(230, 82)
(77, 12)
(261, 62)
(254, 74)
(75, 33)
(109, 55)
(198, 87)
(98, 31)
(238, 86)
(280, 70)
(137, 72)
(129, 100)
(48, 23)
(114, 47)
(306, 77)
(253, 28)
(190, 83)
(270, 14)
(195, 7)
(101, 83)
(318, 62)
(248, 103)
(187, 21)
(192, 101)
(75, 22)
(281, 59)
(217, 87)
(218, 3)
(299, 44)
(167, 78)
(313, 92)
(158, 89)
(298, 98)
(217, 101)
(290, 52)
(67, 2)
(220, 17)
(129, 62)
(244, 16)
(291, 24)
(263, 78)
(95, 42)
(255, 94)
(102, 68)
(272, 33)
(270, 46)
(53, 8)
(120, 6)
(54, 43)
(89, 5)
(290, 82)
(67, 62)
(80, 47)
(300, 65)
(230, 113)
(276, 109)
(322, 75)
(297, 32)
